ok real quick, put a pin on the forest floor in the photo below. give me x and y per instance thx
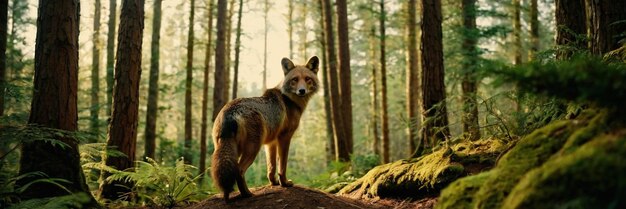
(300, 197)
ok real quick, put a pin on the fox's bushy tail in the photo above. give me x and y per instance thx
(224, 166)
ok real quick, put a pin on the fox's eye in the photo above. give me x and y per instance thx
(294, 79)
(307, 79)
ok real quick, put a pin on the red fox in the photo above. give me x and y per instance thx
(244, 124)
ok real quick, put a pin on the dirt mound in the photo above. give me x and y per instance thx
(281, 197)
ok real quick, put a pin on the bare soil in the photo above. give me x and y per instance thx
(300, 197)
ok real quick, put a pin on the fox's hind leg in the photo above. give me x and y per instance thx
(270, 154)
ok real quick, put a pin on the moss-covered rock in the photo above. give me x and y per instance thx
(460, 193)
(424, 175)
(592, 176)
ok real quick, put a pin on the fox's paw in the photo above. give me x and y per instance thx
(286, 183)
(245, 194)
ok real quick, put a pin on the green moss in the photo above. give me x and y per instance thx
(459, 194)
(407, 178)
(593, 176)
(530, 152)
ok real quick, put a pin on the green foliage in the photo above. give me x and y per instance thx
(581, 79)
(78, 200)
(159, 185)
(459, 194)
(10, 192)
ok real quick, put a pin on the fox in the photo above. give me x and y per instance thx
(244, 125)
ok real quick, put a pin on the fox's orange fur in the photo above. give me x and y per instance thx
(245, 124)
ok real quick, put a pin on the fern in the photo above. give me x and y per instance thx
(159, 185)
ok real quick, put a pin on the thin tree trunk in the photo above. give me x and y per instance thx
(374, 92)
(229, 34)
(412, 78)
(4, 7)
(220, 57)
(571, 24)
(383, 79)
(123, 127)
(153, 87)
(534, 29)
(433, 97)
(95, 70)
(290, 28)
(189, 80)
(468, 83)
(266, 31)
(330, 143)
(335, 102)
(304, 31)
(237, 49)
(604, 31)
(517, 32)
(110, 54)
(205, 92)
(344, 78)
(54, 104)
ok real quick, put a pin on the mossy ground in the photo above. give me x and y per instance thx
(566, 164)
(425, 175)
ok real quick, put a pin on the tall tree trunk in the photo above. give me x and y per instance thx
(517, 32)
(54, 103)
(330, 143)
(468, 83)
(123, 127)
(433, 96)
(95, 70)
(205, 92)
(571, 24)
(4, 6)
(383, 78)
(229, 34)
(188, 86)
(220, 57)
(534, 29)
(374, 92)
(335, 102)
(304, 31)
(266, 31)
(237, 50)
(153, 87)
(344, 79)
(110, 54)
(604, 31)
(412, 78)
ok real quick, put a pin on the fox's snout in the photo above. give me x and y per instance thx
(301, 92)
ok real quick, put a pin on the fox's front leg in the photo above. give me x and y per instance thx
(283, 154)
(270, 154)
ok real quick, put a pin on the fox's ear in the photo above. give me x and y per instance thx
(313, 64)
(287, 65)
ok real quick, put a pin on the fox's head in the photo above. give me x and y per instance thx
(300, 80)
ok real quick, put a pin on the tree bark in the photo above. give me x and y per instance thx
(4, 7)
(54, 103)
(344, 79)
(205, 92)
(383, 77)
(95, 71)
(534, 29)
(290, 27)
(468, 83)
(433, 96)
(604, 34)
(153, 86)
(330, 145)
(237, 50)
(110, 55)
(188, 131)
(123, 128)
(304, 31)
(229, 34)
(335, 102)
(220, 57)
(412, 78)
(571, 24)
